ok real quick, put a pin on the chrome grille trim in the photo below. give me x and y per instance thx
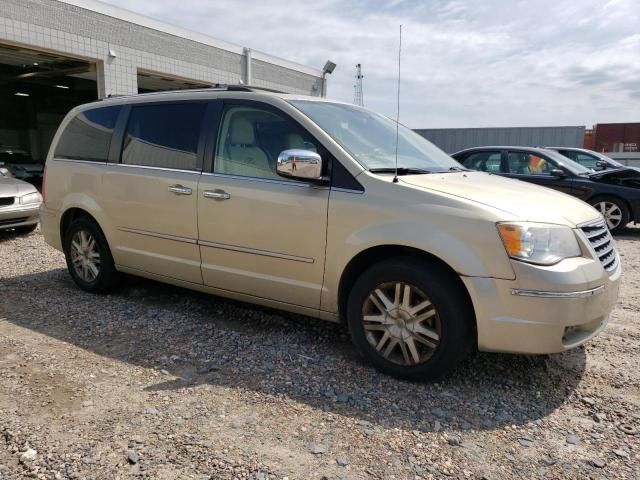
(602, 243)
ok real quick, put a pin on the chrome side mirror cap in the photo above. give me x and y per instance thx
(300, 165)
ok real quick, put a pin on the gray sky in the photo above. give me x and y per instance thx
(464, 63)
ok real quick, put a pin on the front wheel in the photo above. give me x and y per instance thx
(410, 319)
(614, 211)
(88, 257)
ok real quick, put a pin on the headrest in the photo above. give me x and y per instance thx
(241, 131)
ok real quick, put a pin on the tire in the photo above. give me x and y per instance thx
(84, 244)
(445, 333)
(26, 229)
(614, 210)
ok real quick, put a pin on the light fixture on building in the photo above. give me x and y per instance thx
(35, 64)
(21, 94)
(328, 68)
(62, 86)
(112, 53)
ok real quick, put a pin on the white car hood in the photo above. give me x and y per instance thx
(12, 187)
(521, 200)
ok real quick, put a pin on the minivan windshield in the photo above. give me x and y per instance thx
(371, 139)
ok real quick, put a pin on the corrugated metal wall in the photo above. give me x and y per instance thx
(452, 140)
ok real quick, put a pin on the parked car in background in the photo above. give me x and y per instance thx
(19, 204)
(307, 205)
(21, 165)
(588, 158)
(614, 193)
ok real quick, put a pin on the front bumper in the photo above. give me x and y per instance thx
(18, 216)
(545, 309)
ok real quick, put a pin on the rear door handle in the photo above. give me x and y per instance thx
(180, 190)
(216, 194)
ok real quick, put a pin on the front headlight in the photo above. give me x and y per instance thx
(30, 198)
(539, 243)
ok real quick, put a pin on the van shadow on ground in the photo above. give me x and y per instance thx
(202, 339)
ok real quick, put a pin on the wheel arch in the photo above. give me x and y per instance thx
(372, 255)
(72, 214)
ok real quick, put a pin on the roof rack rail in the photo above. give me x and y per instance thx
(245, 88)
(215, 86)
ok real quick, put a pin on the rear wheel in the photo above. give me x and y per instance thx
(410, 319)
(614, 211)
(89, 259)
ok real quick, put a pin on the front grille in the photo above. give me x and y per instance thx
(4, 201)
(600, 239)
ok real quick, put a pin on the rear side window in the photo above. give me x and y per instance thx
(88, 135)
(485, 161)
(164, 135)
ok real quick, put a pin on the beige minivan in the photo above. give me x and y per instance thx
(295, 203)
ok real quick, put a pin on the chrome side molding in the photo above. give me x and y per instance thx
(545, 294)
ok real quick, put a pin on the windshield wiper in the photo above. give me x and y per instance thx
(458, 169)
(401, 170)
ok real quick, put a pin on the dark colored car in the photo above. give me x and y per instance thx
(588, 158)
(613, 192)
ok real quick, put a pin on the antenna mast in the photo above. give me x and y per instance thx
(358, 99)
(395, 179)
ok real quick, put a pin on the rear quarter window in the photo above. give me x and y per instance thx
(88, 135)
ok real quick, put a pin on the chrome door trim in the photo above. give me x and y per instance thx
(546, 294)
(262, 180)
(164, 169)
(347, 190)
(75, 160)
(175, 238)
(254, 251)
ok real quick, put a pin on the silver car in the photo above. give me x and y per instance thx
(19, 204)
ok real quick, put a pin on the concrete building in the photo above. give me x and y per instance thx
(56, 54)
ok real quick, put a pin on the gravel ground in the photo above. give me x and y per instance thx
(159, 382)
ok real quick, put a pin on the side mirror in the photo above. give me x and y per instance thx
(558, 172)
(601, 165)
(300, 165)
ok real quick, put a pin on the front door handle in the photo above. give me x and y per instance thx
(216, 194)
(180, 190)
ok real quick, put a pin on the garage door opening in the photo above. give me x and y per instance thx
(155, 82)
(37, 89)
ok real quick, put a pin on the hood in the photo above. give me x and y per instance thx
(520, 200)
(12, 187)
(624, 173)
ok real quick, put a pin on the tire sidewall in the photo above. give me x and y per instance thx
(444, 294)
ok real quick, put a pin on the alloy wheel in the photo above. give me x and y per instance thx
(611, 213)
(85, 256)
(401, 323)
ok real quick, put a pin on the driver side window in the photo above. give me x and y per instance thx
(251, 138)
(526, 163)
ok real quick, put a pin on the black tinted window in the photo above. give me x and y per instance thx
(88, 135)
(163, 135)
(486, 161)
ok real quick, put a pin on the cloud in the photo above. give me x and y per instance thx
(464, 63)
